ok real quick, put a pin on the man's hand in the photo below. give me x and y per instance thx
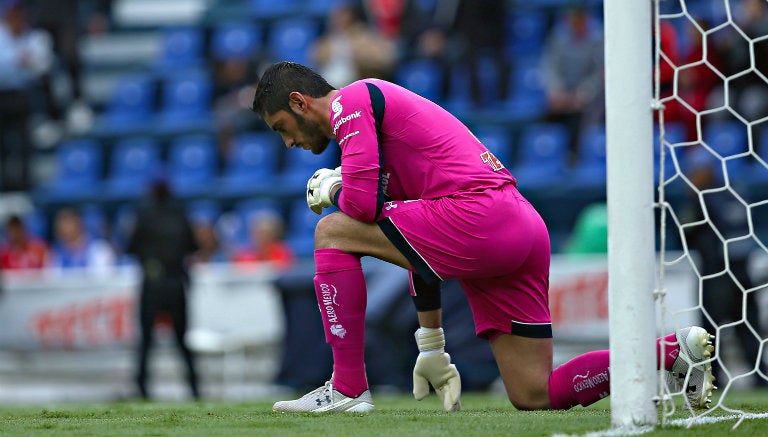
(433, 366)
(319, 188)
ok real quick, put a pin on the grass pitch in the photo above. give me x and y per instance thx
(396, 415)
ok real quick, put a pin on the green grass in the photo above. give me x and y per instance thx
(396, 415)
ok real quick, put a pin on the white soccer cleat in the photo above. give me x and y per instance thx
(695, 346)
(324, 399)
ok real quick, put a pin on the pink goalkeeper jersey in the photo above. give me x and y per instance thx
(397, 145)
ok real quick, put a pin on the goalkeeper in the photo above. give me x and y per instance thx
(417, 189)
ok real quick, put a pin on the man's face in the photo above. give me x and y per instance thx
(298, 131)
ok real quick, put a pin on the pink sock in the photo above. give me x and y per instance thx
(341, 295)
(671, 349)
(586, 379)
(583, 380)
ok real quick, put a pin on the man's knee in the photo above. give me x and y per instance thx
(327, 230)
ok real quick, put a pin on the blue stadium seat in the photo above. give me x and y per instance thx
(192, 165)
(498, 140)
(301, 164)
(729, 138)
(133, 165)
(186, 103)
(526, 31)
(527, 97)
(590, 170)
(300, 232)
(251, 165)
(181, 47)
(79, 165)
(270, 9)
(290, 39)
(204, 211)
(130, 107)
(244, 212)
(235, 40)
(424, 77)
(123, 222)
(542, 155)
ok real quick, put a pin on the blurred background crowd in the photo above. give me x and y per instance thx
(101, 98)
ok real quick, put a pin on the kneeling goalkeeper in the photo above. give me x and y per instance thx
(417, 189)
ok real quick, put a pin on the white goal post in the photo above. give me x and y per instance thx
(630, 200)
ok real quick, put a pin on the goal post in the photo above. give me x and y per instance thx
(630, 200)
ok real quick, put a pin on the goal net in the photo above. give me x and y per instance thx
(711, 121)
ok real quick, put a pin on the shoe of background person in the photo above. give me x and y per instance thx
(695, 346)
(324, 399)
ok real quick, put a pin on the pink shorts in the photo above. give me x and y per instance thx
(493, 242)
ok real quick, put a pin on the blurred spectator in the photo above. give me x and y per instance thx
(20, 250)
(265, 232)
(350, 49)
(386, 15)
(163, 241)
(573, 71)
(695, 83)
(724, 264)
(233, 94)
(73, 247)
(62, 20)
(26, 57)
(460, 33)
(209, 246)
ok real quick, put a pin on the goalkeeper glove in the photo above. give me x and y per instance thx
(319, 188)
(433, 366)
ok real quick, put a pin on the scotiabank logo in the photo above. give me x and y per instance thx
(345, 119)
(96, 322)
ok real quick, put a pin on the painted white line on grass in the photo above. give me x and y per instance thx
(622, 431)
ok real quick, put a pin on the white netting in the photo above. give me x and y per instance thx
(711, 89)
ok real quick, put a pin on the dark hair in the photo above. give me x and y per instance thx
(281, 79)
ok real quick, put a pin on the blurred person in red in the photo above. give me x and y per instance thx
(21, 250)
(266, 244)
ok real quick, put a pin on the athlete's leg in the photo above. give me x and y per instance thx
(525, 365)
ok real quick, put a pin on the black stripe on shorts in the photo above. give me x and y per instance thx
(397, 238)
(532, 330)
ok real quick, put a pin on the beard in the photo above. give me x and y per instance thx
(313, 135)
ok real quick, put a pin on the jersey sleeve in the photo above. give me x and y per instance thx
(356, 124)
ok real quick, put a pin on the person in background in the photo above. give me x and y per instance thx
(210, 249)
(75, 248)
(350, 49)
(573, 72)
(26, 57)
(725, 265)
(20, 250)
(265, 234)
(163, 242)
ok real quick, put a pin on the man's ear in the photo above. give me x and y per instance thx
(297, 102)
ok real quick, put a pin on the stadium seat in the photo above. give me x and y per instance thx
(181, 47)
(251, 165)
(204, 211)
(235, 40)
(526, 32)
(186, 103)
(301, 164)
(192, 165)
(590, 170)
(300, 232)
(498, 140)
(122, 226)
(290, 39)
(133, 165)
(78, 172)
(234, 226)
(270, 9)
(130, 107)
(542, 155)
(726, 139)
(527, 97)
(423, 77)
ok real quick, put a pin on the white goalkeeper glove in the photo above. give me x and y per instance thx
(319, 188)
(433, 366)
